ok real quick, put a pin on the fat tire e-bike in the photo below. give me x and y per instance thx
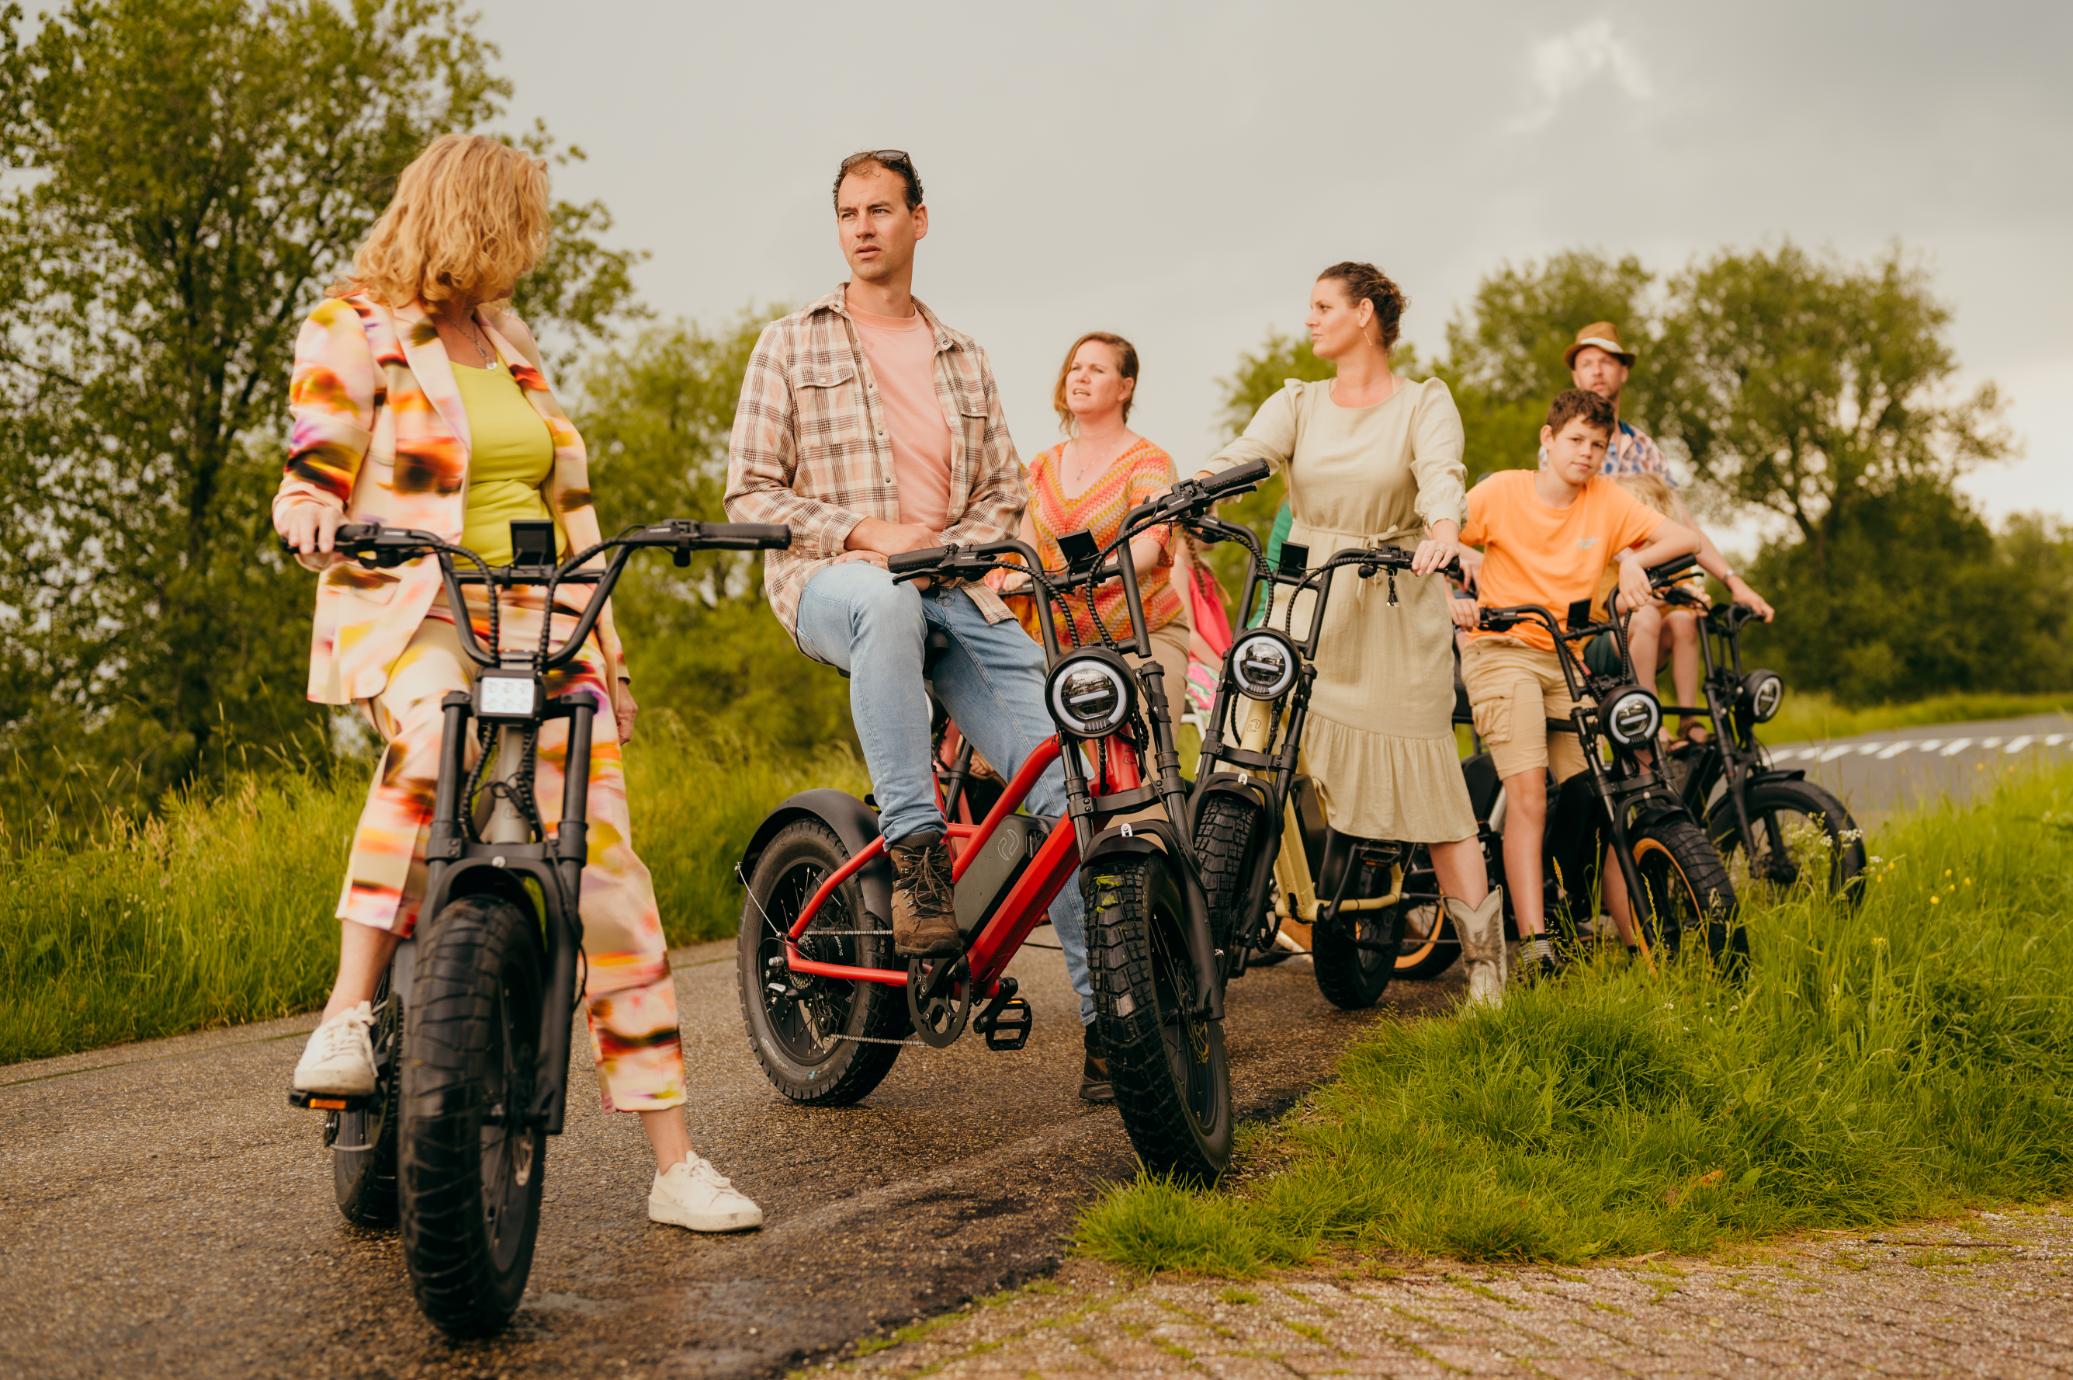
(472, 1031)
(829, 1006)
(1776, 831)
(1269, 858)
(1676, 884)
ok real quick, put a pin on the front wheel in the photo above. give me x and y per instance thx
(1805, 842)
(1224, 833)
(472, 1161)
(1686, 893)
(1173, 1083)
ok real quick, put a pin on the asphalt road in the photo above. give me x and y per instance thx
(163, 1211)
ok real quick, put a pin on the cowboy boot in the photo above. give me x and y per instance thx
(1480, 930)
(924, 905)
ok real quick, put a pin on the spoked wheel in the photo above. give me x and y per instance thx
(1686, 894)
(1354, 953)
(1805, 843)
(472, 1163)
(823, 1041)
(1224, 831)
(1173, 1084)
(363, 1140)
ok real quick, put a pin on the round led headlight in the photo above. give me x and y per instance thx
(1090, 693)
(1763, 692)
(1632, 716)
(1263, 665)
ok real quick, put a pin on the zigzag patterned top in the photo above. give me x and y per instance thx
(1137, 474)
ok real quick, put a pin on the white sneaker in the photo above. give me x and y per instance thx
(693, 1194)
(339, 1059)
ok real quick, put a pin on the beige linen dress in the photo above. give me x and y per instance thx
(1380, 737)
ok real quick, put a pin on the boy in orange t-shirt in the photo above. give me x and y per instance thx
(1547, 538)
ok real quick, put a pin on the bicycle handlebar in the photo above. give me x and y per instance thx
(373, 544)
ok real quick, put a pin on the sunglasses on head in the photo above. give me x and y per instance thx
(887, 156)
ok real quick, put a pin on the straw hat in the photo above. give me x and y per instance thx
(1606, 337)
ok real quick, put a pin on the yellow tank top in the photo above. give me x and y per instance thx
(510, 455)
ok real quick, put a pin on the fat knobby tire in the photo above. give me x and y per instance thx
(481, 953)
(857, 1066)
(1223, 845)
(1727, 943)
(1126, 897)
(1353, 978)
(1845, 840)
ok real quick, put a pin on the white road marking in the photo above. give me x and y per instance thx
(2054, 739)
(1986, 743)
(1867, 749)
(1891, 750)
(2017, 744)
(1956, 746)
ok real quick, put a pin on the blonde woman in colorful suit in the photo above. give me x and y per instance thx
(418, 401)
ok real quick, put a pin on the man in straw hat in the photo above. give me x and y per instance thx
(1599, 364)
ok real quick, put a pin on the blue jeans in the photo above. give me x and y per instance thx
(855, 618)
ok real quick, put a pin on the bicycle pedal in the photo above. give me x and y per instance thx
(328, 1102)
(1008, 1027)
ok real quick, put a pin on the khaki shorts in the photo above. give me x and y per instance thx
(1514, 690)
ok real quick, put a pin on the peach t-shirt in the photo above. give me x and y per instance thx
(902, 354)
(1534, 553)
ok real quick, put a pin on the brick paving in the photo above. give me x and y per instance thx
(1987, 1294)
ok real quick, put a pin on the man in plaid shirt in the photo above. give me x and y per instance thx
(870, 428)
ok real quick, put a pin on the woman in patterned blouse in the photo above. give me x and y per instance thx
(1087, 482)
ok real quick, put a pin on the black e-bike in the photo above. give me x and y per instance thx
(472, 1031)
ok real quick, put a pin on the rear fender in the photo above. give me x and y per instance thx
(1155, 838)
(853, 822)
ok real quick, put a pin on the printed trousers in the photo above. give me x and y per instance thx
(629, 999)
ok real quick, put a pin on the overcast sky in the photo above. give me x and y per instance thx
(1179, 172)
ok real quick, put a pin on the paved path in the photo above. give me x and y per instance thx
(163, 1211)
(1880, 773)
(1985, 1295)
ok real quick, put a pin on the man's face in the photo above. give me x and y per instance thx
(878, 231)
(1576, 452)
(1599, 371)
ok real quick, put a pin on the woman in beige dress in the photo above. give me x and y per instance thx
(1374, 459)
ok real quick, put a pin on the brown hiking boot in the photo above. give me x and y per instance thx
(1094, 1080)
(924, 912)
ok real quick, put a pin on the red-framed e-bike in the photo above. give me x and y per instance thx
(829, 1006)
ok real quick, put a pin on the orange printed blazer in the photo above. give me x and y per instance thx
(380, 433)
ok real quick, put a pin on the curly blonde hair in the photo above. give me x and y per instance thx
(469, 219)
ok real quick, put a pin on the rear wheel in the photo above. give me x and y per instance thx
(472, 1163)
(1805, 843)
(1686, 894)
(1172, 1081)
(822, 1041)
(363, 1140)
(1224, 832)
(1354, 953)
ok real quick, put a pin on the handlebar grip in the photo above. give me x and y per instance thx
(916, 562)
(344, 535)
(1670, 572)
(1244, 476)
(745, 536)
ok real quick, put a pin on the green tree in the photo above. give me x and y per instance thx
(1504, 350)
(193, 171)
(1806, 386)
(703, 643)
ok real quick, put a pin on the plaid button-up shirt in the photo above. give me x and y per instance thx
(811, 450)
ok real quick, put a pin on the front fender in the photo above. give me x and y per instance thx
(1155, 838)
(853, 822)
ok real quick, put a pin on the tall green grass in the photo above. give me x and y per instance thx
(1902, 1060)
(218, 910)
